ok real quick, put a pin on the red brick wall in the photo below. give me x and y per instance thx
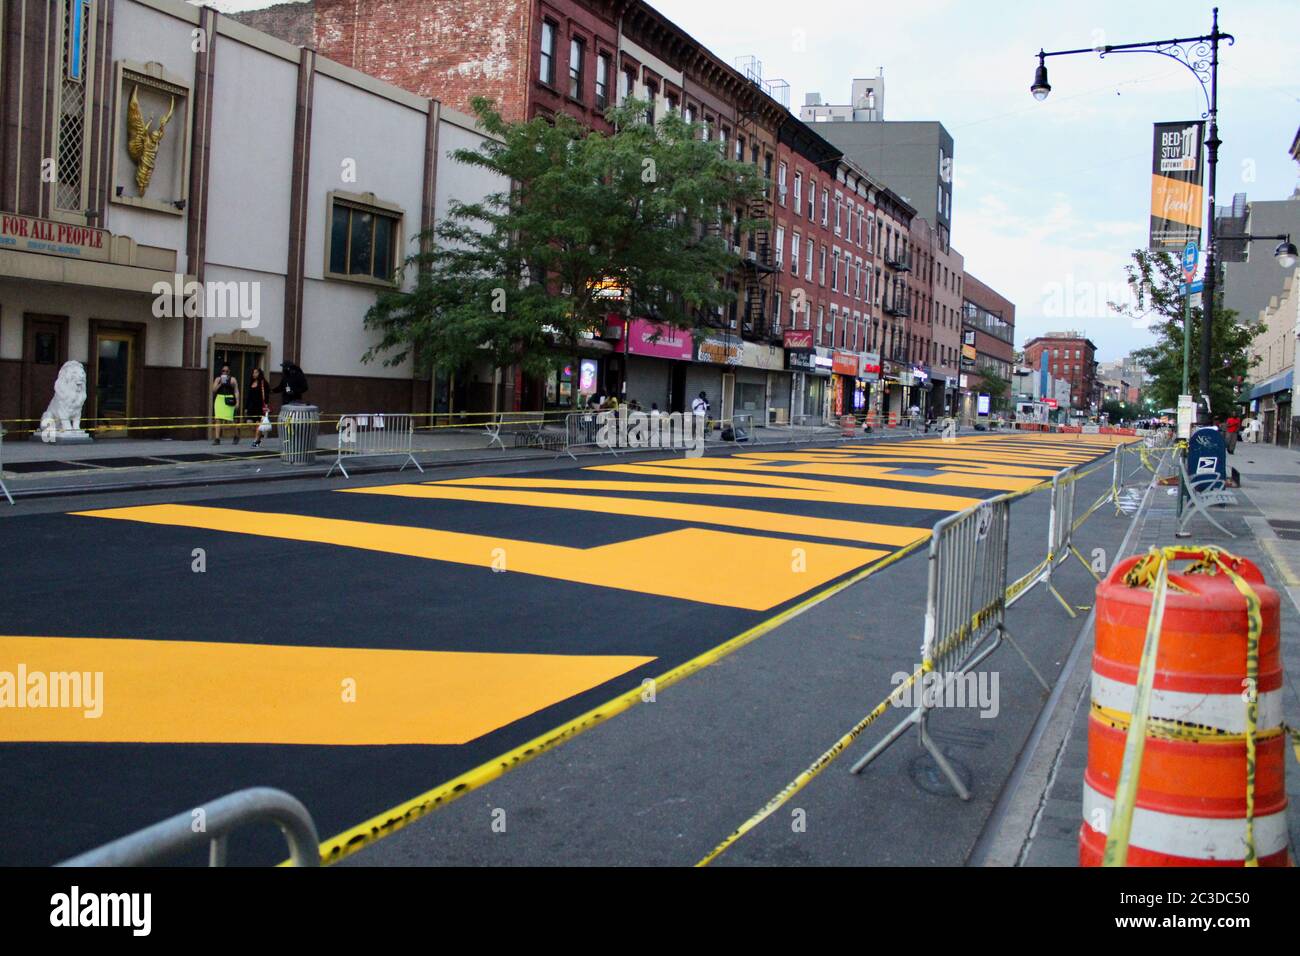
(291, 22)
(449, 51)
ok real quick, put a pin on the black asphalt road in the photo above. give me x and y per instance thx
(75, 576)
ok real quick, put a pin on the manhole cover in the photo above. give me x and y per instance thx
(925, 773)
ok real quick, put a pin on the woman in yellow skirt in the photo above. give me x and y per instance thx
(225, 403)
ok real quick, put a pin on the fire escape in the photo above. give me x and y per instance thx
(758, 272)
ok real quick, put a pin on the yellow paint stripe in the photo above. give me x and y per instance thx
(385, 824)
(157, 691)
(874, 472)
(791, 489)
(693, 564)
(749, 519)
(356, 838)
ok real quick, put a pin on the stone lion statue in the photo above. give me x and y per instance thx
(63, 416)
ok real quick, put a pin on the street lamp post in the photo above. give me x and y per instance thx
(1201, 56)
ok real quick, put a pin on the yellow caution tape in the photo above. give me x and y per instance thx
(815, 768)
(1152, 571)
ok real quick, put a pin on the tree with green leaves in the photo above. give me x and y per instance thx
(999, 388)
(1118, 411)
(1156, 278)
(518, 276)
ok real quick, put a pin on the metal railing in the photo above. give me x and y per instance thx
(178, 835)
(375, 435)
(525, 429)
(965, 616)
(1060, 541)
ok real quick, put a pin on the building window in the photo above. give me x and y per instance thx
(776, 314)
(821, 271)
(577, 59)
(364, 241)
(808, 268)
(69, 193)
(835, 272)
(780, 247)
(826, 204)
(651, 94)
(690, 114)
(670, 102)
(628, 80)
(740, 149)
(780, 183)
(603, 64)
(794, 253)
(839, 207)
(546, 70)
(798, 191)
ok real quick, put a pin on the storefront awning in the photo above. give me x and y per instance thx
(1278, 383)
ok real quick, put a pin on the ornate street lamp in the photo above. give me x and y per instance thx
(1201, 56)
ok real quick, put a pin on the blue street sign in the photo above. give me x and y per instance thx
(1191, 258)
(1193, 289)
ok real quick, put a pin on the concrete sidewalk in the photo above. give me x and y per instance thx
(1038, 820)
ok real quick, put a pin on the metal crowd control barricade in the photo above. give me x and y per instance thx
(584, 430)
(965, 618)
(376, 435)
(299, 428)
(176, 835)
(527, 429)
(1060, 541)
(2, 468)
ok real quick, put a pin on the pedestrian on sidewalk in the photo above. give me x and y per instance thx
(1233, 429)
(257, 404)
(225, 404)
(700, 409)
(293, 384)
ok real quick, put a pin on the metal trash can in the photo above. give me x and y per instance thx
(299, 429)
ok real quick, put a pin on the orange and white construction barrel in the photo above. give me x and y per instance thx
(1191, 804)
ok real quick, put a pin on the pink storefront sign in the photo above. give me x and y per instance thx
(661, 341)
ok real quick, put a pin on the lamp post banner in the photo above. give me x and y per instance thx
(1177, 198)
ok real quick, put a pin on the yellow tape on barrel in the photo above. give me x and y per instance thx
(1153, 570)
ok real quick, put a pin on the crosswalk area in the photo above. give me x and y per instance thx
(358, 645)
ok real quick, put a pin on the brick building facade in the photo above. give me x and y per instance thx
(988, 337)
(835, 260)
(1071, 357)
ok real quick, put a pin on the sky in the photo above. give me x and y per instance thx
(1050, 199)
